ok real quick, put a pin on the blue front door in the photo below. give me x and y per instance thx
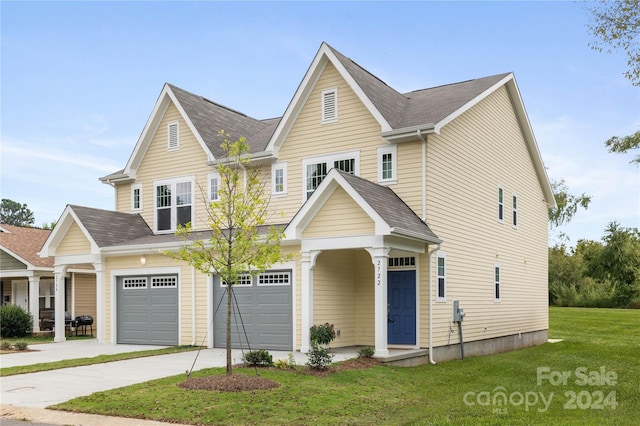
(401, 300)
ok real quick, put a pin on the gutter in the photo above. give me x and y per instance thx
(431, 360)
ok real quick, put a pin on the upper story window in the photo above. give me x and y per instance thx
(174, 203)
(173, 136)
(442, 278)
(497, 282)
(514, 205)
(387, 164)
(214, 186)
(315, 169)
(500, 204)
(330, 105)
(136, 197)
(279, 179)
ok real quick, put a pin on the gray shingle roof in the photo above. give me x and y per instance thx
(209, 118)
(390, 207)
(109, 228)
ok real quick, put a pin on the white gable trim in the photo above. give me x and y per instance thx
(67, 219)
(324, 56)
(26, 263)
(151, 127)
(312, 206)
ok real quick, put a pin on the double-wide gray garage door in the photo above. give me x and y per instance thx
(263, 304)
(147, 310)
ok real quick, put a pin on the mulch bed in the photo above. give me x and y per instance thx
(241, 382)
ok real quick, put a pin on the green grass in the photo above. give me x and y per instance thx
(100, 359)
(425, 395)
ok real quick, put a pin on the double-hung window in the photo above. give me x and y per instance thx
(174, 203)
(497, 282)
(442, 278)
(316, 169)
(279, 179)
(500, 204)
(387, 164)
(214, 186)
(136, 197)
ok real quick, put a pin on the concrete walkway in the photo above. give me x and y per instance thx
(26, 395)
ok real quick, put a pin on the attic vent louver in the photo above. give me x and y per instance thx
(172, 133)
(329, 105)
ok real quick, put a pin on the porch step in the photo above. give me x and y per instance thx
(406, 357)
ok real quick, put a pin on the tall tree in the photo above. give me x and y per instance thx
(14, 213)
(567, 205)
(625, 144)
(615, 25)
(240, 241)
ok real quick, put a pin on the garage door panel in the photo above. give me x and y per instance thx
(147, 312)
(266, 314)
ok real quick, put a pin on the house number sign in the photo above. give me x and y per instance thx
(378, 268)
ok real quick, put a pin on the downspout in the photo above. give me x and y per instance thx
(424, 175)
(431, 360)
(193, 306)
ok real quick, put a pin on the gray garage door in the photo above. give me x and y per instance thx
(147, 312)
(265, 305)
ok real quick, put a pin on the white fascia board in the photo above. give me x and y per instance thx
(67, 219)
(408, 134)
(457, 113)
(75, 259)
(18, 258)
(414, 235)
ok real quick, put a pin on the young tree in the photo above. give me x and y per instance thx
(567, 205)
(14, 213)
(240, 242)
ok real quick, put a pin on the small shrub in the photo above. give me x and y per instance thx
(15, 321)
(5, 346)
(319, 356)
(323, 334)
(281, 364)
(21, 346)
(366, 352)
(260, 357)
(292, 359)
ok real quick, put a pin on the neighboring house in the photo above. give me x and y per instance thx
(394, 205)
(27, 279)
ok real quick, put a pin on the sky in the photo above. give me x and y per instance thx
(79, 80)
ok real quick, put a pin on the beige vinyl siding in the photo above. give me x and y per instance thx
(8, 262)
(355, 130)
(184, 289)
(340, 216)
(486, 141)
(159, 164)
(74, 242)
(84, 295)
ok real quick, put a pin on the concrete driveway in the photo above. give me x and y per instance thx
(40, 390)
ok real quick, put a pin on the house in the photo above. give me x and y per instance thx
(396, 206)
(27, 279)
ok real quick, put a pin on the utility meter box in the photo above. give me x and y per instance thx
(458, 312)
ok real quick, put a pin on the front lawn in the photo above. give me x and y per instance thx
(591, 377)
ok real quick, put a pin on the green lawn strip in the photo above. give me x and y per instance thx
(100, 359)
(456, 392)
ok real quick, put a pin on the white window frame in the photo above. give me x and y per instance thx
(324, 94)
(244, 280)
(134, 187)
(274, 185)
(263, 280)
(172, 183)
(382, 151)
(213, 197)
(515, 219)
(138, 280)
(443, 276)
(497, 282)
(500, 204)
(330, 160)
(176, 146)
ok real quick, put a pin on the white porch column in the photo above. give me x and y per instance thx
(34, 300)
(380, 257)
(308, 262)
(59, 304)
(100, 302)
